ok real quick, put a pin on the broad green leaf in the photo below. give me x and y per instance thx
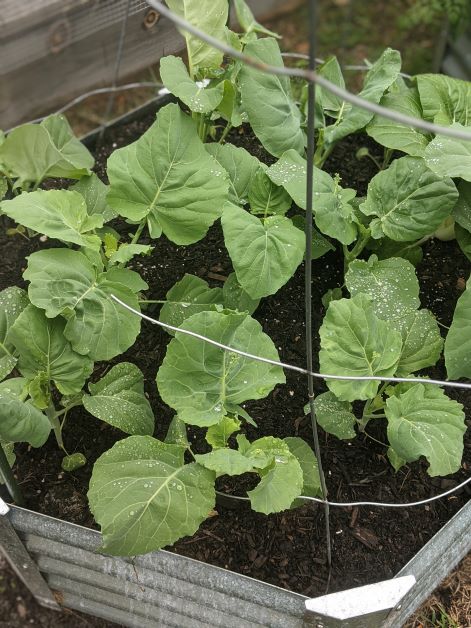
(13, 301)
(145, 497)
(198, 380)
(197, 97)
(246, 19)
(266, 198)
(43, 348)
(176, 433)
(218, 435)
(9, 451)
(225, 462)
(422, 343)
(265, 254)
(236, 298)
(396, 461)
(168, 177)
(94, 191)
(56, 213)
(22, 422)
(458, 340)
(355, 342)
(39, 389)
(320, 245)
(64, 282)
(267, 99)
(308, 462)
(391, 284)
(448, 156)
(332, 212)
(240, 166)
(128, 278)
(334, 416)
(462, 209)
(409, 200)
(189, 296)
(332, 71)
(209, 16)
(378, 79)
(119, 399)
(445, 100)
(386, 248)
(425, 422)
(34, 152)
(126, 252)
(282, 480)
(230, 108)
(395, 135)
(16, 387)
(333, 294)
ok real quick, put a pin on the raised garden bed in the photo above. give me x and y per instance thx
(285, 549)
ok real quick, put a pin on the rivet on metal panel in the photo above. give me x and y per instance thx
(151, 18)
(59, 35)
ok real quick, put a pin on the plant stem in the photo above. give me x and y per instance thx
(358, 248)
(388, 153)
(152, 301)
(139, 231)
(55, 423)
(225, 133)
(10, 481)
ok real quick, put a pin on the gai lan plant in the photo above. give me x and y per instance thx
(178, 179)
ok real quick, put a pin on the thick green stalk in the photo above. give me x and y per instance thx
(55, 423)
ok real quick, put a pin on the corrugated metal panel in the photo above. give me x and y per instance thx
(155, 590)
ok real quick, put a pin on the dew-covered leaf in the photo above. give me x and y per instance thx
(462, 209)
(64, 282)
(168, 177)
(265, 254)
(144, 496)
(218, 435)
(198, 380)
(94, 191)
(354, 341)
(267, 99)
(320, 245)
(195, 96)
(21, 421)
(266, 198)
(13, 301)
(333, 214)
(334, 416)
(189, 296)
(56, 213)
(458, 340)
(225, 462)
(408, 200)
(43, 348)
(240, 166)
(449, 156)
(118, 399)
(281, 481)
(176, 433)
(236, 298)
(425, 422)
(398, 136)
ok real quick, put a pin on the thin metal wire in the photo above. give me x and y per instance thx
(366, 503)
(308, 271)
(310, 75)
(292, 367)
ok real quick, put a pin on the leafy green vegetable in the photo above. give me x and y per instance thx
(445, 100)
(56, 213)
(94, 191)
(334, 416)
(218, 435)
(266, 198)
(119, 399)
(181, 193)
(247, 20)
(12, 302)
(265, 253)
(268, 101)
(458, 340)
(144, 496)
(450, 157)
(240, 166)
(236, 298)
(44, 349)
(408, 200)
(176, 79)
(309, 466)
(354, 341)
(202, 382)
(64, 282)
(126, 252)
(424, 422)
(21, 421)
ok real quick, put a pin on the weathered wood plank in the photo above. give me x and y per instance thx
(59, 49)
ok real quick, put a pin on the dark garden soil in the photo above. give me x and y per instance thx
(287, 549)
